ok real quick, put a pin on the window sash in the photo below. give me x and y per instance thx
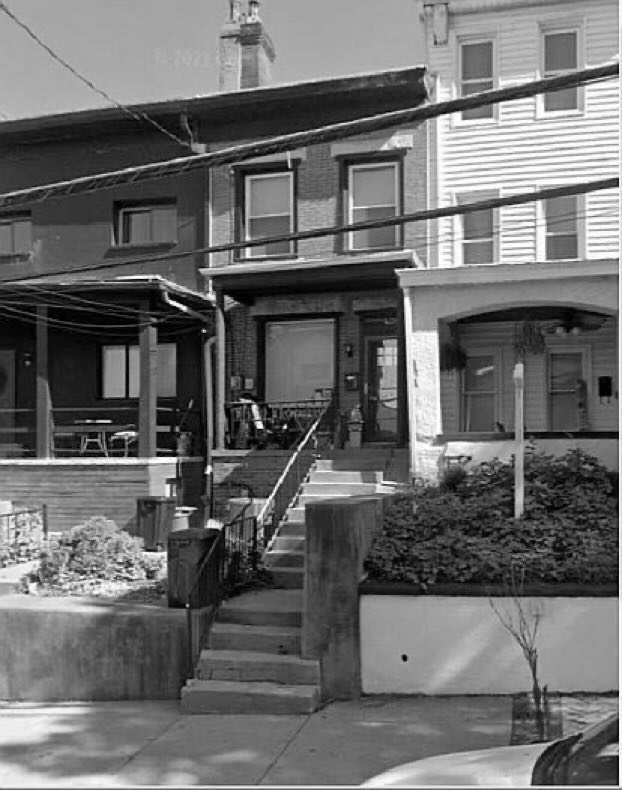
(373, 238)
(121, 371)
(478, 82)
(561, 228)
(567, 99)
(277, 222)
(16, 236)
(480, 402)
(477, 231)
(147, 224)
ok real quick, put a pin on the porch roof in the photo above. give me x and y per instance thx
(244, 281)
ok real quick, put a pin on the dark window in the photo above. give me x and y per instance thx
(15, 235)
(560, 57)
(121, 370)
(146, 224)
(476, 75)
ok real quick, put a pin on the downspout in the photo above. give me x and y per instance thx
(209, 426)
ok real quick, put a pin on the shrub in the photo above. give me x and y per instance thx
(466, 532)
(95, 550)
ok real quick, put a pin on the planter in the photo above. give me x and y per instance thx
(532, 726)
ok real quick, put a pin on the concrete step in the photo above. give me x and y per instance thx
(265, 638)
(263, 607)
(288, 543)
(274, 558)
(333, 476)
(223, 696)
(253, 666)
(328, 490)
(288, 578)
(364, 463)
(295, 515)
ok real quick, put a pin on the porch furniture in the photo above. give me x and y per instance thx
(126, 437)
(93, 432)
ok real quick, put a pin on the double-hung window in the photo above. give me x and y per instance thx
(373, 192)
(154, 223)
(477, 231)
(561, 228)
(269, 211)
(560, 54)
(480, 392)
(477, 73)
(15, 235)
(120, 365)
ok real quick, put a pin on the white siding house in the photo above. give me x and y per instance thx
(477, 315)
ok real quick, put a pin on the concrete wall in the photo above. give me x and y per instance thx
(456, 645)
(77, 488)
(58, 649)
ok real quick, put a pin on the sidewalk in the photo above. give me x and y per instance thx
(151, 743)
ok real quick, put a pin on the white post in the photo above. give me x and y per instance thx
(519, 434)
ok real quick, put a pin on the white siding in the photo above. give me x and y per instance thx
(601, 346)
(522, 151)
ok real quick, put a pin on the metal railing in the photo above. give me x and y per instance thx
(23, 529)
(231, 561)
(292, 477)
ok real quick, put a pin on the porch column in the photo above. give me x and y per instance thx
(402, 394)
(425, 389)
(43, 398)
(220, 370)
(147, 400)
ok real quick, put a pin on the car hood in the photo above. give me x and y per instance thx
(509, 766)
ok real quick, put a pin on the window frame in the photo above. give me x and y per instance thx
(552, 28)
(542, 230)
(470, 40)
(11, 220)
(459, 240)
(124, 208)
(586, 365)
(370, 161)
(127, 346)
(484, 351)
(242, 199)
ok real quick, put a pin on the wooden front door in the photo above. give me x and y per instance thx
(7, 395)
(380, 391)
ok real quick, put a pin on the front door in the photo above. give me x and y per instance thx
(7, 395)
(380, 391)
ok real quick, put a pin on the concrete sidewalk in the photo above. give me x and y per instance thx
(150, 743)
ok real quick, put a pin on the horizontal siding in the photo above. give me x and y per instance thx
(602, 350)
(521, 151)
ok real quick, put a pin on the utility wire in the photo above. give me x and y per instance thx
(288, 142)
(315, 233)
(137, 116)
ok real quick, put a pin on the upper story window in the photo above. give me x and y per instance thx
(120, 366)
(477, 231)
(269, 211)
(560, 54)
(15, 235)
(373, 192)
(562, 228)
(477, 73)
(146, 223)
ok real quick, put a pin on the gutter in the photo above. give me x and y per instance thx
(184, 308)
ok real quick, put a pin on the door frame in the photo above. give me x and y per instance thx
(6, 436)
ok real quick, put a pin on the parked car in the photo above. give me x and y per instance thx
(589, 757)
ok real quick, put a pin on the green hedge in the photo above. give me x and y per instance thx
(464, 530)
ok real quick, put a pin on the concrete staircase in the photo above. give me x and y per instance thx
(252, 663)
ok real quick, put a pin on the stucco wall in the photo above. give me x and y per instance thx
(456, 645)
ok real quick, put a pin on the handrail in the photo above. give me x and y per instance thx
(261, 516)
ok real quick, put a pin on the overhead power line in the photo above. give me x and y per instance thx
(137, 116)
(315, 233)
(288, 142)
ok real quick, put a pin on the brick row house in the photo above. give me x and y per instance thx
(536, 282)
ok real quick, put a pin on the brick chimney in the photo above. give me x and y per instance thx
(246, 50)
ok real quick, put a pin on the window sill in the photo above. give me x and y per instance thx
(15, 257)
(266, 258)
(371, 250)
(124, 249)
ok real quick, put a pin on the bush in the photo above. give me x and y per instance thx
(95, 550)
(465, 531)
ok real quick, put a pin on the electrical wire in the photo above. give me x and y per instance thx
(288, 142)
(314, 233)
(142, 117)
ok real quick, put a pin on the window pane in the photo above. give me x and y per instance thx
(480, 410)
(6, 237)
(136, 227)
(374, 237)
(269, 195)
(299, 359)
(167, 370)
(560, 248)
(373, 186)
(561, 100)
(560, 52)
(561, 214)
(480, 374)
(113, 364)
(565, 370)
(269, 226)
(164, 223)
(478, 252)
(477, 225)
(477, 61)
(134, 383)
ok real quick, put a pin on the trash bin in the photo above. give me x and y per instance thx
(154, 520)
(181, 519)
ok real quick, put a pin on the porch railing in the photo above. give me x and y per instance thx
(21, 533)
(288, 484)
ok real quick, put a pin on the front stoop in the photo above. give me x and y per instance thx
(252, 663)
